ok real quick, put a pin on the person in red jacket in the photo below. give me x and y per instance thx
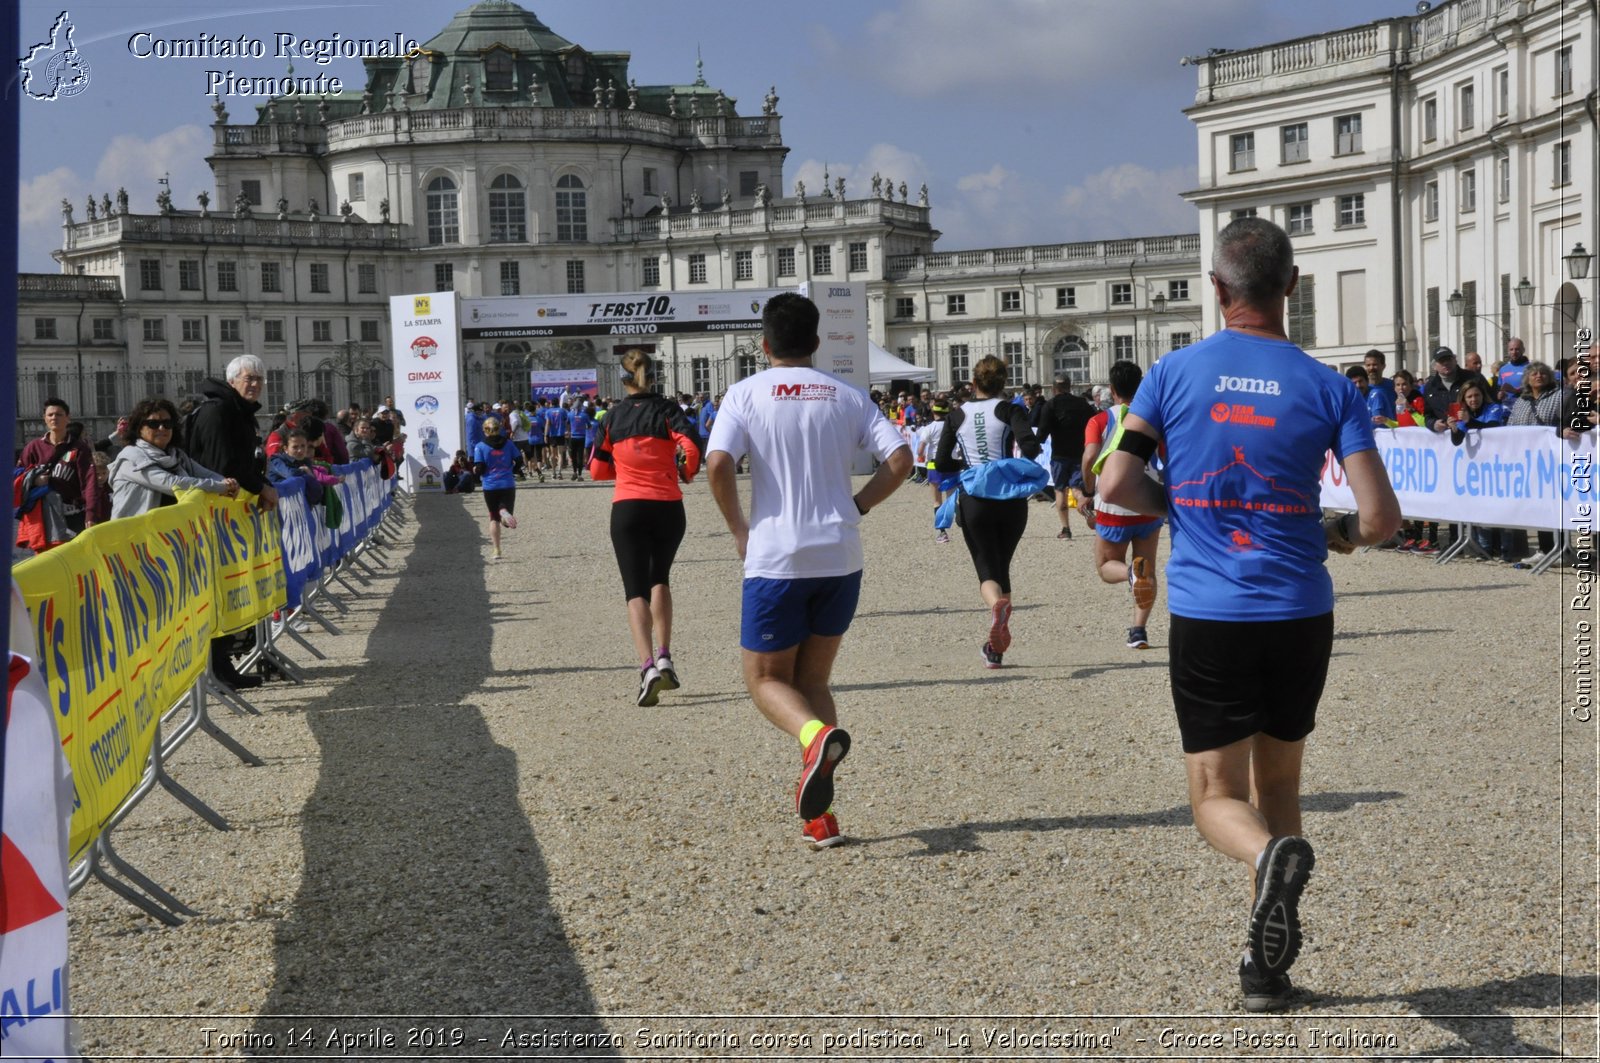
(642, 435)
(71, 466)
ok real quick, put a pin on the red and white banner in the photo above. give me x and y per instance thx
(36, 805)
(1498, 477)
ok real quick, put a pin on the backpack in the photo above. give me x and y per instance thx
(186, 428)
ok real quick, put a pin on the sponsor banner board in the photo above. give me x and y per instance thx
(427, 381)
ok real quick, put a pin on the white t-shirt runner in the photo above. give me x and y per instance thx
(802, 429)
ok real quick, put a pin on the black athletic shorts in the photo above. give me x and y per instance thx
(500, 499)
(645, 533)
(1232, 680)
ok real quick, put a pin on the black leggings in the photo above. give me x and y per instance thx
(993, 528)
(645, 534)
(576, 446)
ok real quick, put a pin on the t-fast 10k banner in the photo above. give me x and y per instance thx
(1499, 477)
(427, 380)
(510, 317)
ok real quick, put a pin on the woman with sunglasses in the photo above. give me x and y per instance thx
(148, 473)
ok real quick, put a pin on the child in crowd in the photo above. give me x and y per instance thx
(459, 478)
(295, 460)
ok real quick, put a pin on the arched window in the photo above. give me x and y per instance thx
(497, 71)
(508, 211)
(444, 212)
(572, 210)
(1070, 359)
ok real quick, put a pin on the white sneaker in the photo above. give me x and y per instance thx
(669, 674)
(649, 686)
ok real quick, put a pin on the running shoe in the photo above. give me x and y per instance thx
(1407, 546)
(1143, 584)
(1064, 533)
(942, 537)
(669, 674)
(822, 832)
(1427, 548)
(496, 555)
(991, 659)
(1137, 639)
(1263, 992)
(1000, 628)
(1275, 916)
(815, 792)
(650, 686)
(509, 520)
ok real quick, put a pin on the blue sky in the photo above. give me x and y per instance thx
(1031, 121)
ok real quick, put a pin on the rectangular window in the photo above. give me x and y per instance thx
(367, 278)
(907, 354)
(192, 379)
(822, 259)
(1296, 142)
(155, 382)
(371, 332)
(1122, 348)
(1466, 106)
(1243, 212)
(1347, 134)
(786, 262)
(1179, 340)
(1122, 293)
(1502, 91)
(1503, 179)
(1353, 317)
(106, 401)
(649, 181)
(1430, 201)
(271, 280)
(356, 187)
(1011, 301)
(748, 180)
(150, 274)
(1298, 219)
(275, 393)
(650, 275)
(905, 307)
(1066, 298)
(1469, 191)
(322, 332)
(1430, 118)
(227, 276)
(322, 385)
(319, 278)
(1469, 318)
(700, 375)
(1177, 291)
(1302, 312)
(858, 258)
(960, 362)
(1561, 164)
(272, 330)
(1352, 210)
(697, 268)
(155, 330)
(228, 330)
(1242, 151)
(44, 328)
(252, 192)
(192, 329)
(444, 277)
(1011, 352)
(510, 278)
(188, 274)
(105, 328)
(745, 367)
(955, 305)
(575, 284)
(744, 265)
(1563, 70)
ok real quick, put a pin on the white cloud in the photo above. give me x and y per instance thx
(1128, 200)
(926, 48)
(888, 161)
(39, 198)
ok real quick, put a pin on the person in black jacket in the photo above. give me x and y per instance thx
(222, 437)
(1064, 419)
(1443, 388)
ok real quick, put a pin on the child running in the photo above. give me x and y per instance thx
(496, 461)
(639, 440)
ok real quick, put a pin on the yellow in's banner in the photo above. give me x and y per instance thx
(250, 581)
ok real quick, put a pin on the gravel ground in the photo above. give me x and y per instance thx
(468, 840)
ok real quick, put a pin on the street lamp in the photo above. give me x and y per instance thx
(1577, 262)
(1457, 306)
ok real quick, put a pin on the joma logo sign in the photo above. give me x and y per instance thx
(1249, 384)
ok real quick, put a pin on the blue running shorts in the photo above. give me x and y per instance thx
(780, 613)
(1127, 533)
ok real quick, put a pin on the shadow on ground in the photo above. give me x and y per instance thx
(425, 893)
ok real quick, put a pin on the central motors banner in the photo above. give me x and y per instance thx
(510, 317)
(1502, 477)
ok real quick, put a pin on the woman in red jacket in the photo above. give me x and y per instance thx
(643, 433)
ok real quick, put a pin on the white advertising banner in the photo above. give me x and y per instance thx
(427, 381)
(1502, 477)
(510, 317)
(843, 330)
